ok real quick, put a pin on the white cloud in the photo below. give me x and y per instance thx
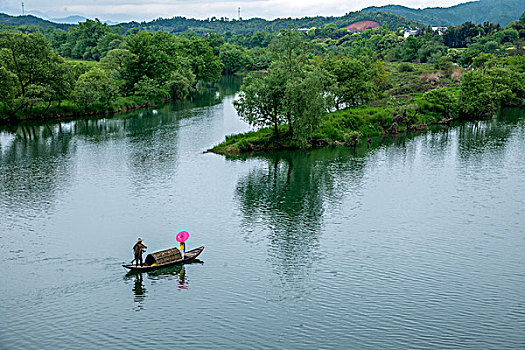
(146, 10)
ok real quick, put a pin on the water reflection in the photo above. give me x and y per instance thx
(138, 289)
(213, 93)
(288, 194)
(35, 162)
(476, 139)
(176, 273)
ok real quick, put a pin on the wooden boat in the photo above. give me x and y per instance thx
(165, 258)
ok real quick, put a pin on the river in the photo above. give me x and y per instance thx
(415, 243)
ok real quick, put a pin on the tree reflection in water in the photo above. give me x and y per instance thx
(35, 165)
(289, 194)
(291, 191)
(488, 137)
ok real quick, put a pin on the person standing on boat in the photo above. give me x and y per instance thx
(138, 249)
(182, 248)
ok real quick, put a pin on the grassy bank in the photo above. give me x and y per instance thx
(69, 109)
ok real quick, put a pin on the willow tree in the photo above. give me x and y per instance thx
(307, 100)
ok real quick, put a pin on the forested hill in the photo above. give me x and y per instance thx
(178, 25)
(181, 24)
(494, 11)
(29, 20)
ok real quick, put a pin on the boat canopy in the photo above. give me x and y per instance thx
(163, 257)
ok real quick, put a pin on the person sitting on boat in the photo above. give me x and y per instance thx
(138, 249)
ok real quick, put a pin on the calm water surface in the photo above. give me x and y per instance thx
(416, 243)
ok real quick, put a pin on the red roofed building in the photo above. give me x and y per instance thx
(361, 26)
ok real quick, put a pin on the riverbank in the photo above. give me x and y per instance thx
(69, 110)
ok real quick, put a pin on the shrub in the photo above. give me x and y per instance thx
(405, 67)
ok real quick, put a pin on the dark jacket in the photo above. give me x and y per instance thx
(139, 248)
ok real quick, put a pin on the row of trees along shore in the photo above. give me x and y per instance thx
(323, 86)
(35, 81)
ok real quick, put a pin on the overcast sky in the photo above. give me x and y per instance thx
(125, 10)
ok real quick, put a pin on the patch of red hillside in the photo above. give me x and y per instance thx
(361, 26)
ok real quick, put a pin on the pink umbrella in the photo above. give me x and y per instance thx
(182, 236)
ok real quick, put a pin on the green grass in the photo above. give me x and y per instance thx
(410, 78)
(260, 140)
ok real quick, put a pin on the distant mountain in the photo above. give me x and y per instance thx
(69, 19)
(494, 11)
(42, 20)
(29, 20)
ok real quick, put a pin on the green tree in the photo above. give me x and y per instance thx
(119, 62)
(215, 41)
(61, 81)
(508, 86)
(442, 101)
(8, 92)
(206, 66)
(382, 80)
(234, 58)
(483, 61)
(476, 98)
(107, 43)
(328, 30)
(306, 101)
(431, 51)
(291, 50)
(41, 76)
(82, 40)
(354, 83)
(150, 89)
(157, 55)
(180, 83)
(95, 88)
(260, 103)
(154, 57)
(261, 58)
